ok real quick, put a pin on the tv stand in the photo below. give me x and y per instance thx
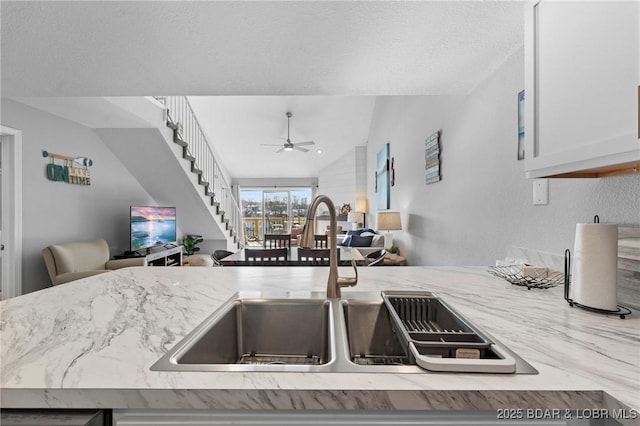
(165, 257)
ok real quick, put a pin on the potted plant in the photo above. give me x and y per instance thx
(393, 252)
(190, 243)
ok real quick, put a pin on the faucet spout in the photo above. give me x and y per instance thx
(334, 283)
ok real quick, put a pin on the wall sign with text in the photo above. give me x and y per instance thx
(74, 170)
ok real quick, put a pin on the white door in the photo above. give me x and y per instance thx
(1, 208)
(10, 212)
(3, 258)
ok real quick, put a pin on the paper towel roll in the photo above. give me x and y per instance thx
(595, 266)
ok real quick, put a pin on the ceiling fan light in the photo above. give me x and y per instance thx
(288, 148)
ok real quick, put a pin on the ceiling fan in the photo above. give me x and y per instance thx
(288, 145)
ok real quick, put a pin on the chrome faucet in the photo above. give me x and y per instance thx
(335, 283)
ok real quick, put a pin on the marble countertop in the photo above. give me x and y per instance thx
(90, 343)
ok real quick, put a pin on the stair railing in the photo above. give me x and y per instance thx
(178, 112)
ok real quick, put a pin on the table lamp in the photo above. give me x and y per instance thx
(389, 221)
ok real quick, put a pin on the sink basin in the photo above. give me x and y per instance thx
(370, 337)
(362, 333)
(258, 334)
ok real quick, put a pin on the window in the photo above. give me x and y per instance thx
(273, 211)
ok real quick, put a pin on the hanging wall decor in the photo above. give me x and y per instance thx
(74, 170)
(521, 125)
(382, 178)
(432, 158)
(393, 172)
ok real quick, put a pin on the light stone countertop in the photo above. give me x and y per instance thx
(90, 343)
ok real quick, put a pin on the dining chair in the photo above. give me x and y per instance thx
(266, 257)
(315, 256)
(321, 241)
(277, 240)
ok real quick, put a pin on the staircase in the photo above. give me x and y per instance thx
(188, 134)
(160, 141)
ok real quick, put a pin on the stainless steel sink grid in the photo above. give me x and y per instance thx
(306, 332)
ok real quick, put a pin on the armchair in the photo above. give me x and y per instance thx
(72, 261)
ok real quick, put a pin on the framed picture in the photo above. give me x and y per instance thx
(521, 125)
(382, 178)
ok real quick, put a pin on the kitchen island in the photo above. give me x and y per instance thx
(90, 344)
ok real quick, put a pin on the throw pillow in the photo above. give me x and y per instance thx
(359, 241)
(345, 241)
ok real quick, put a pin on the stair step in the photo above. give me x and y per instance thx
(202, 182)
(195, 170)
(189, 158)
(178, 139)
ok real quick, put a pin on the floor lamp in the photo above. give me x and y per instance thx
(389, 221)
(356, 218)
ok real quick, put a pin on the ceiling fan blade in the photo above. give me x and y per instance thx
(280, 150)
(271, 144)
(300, 149)
(305, 143)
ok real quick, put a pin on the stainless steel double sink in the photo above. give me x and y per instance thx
(304, 332)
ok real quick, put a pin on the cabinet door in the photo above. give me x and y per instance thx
(581, 86)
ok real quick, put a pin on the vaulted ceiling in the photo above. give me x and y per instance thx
(322, 60)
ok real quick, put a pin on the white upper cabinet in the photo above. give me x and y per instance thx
(582, 91)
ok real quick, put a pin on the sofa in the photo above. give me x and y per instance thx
(365, 240)
(72, 261)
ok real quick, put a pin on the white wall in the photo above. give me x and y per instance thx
(56, 212)
(338, 180)
(483, 203)
(345, 179)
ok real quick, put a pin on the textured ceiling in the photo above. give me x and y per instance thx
(246, 50)
(99, 48)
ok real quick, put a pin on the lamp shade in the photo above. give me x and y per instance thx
(389, 221)
(356, 217)
(361, 205)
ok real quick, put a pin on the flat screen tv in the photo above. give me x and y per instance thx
(152, 226)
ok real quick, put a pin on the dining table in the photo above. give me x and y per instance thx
(346, 255)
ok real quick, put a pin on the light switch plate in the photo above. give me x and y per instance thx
(541, 192)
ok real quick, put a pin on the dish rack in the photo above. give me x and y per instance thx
(437, 338)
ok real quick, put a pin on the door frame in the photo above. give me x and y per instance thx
(11, 280)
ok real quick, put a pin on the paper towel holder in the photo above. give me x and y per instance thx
(621, 311)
